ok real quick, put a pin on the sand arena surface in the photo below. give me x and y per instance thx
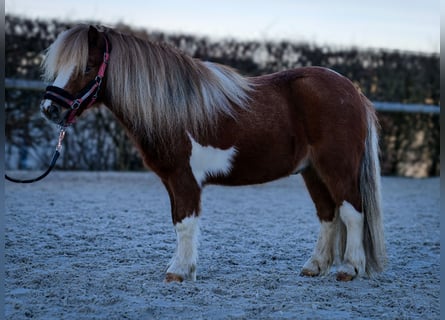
(95, 245)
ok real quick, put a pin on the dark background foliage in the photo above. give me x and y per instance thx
(410, 142)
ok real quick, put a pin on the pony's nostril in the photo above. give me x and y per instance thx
(53, 110)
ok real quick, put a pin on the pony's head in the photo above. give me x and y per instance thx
(77, 63)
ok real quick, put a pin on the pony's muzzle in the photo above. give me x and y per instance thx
(52, 111)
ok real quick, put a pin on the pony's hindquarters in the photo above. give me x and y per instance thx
(343, 177)
(373, 236)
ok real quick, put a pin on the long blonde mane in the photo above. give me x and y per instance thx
(156, 87)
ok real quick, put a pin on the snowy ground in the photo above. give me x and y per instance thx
(83, 245)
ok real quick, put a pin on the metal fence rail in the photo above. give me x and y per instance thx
(36, 85)
(404, 107)
(24, 84)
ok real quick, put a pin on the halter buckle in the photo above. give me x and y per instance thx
(98, 80)
(76, 104)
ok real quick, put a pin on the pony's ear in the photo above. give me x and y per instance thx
(93, 36)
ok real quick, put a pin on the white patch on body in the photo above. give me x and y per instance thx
(323, 254)
(354, 260)
(61, 81)
(205, 161)
(184, 261)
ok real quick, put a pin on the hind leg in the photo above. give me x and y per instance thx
(341, 179)
(354, 260)
(323, 254)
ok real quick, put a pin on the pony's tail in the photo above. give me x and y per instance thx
(373, 235)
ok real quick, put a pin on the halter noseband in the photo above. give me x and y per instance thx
(85, 98)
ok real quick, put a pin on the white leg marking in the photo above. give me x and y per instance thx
(61, 80)
(206, 161)
(354, 260)
(322, 257)
(184, 261)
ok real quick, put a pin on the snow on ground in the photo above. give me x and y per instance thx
(95, 245)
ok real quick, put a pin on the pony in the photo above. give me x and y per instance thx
(197, 123)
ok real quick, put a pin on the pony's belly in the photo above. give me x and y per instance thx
(248, 162)
(254, 175)
(247, 170)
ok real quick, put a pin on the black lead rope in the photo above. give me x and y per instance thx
(51, 165)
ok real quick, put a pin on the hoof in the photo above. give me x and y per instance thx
(314, 268)
(345, 277)
(309, 273)
(346, 273)
(171, 277)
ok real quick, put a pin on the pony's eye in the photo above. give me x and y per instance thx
(87, 70)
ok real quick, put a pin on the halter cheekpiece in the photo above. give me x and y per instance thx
(85, 97)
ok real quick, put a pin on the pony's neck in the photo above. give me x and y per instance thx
(163, 92)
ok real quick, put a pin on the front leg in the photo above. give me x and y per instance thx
(183, 264)
(185, 197)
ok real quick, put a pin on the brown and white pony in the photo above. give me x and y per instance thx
(197, 123)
